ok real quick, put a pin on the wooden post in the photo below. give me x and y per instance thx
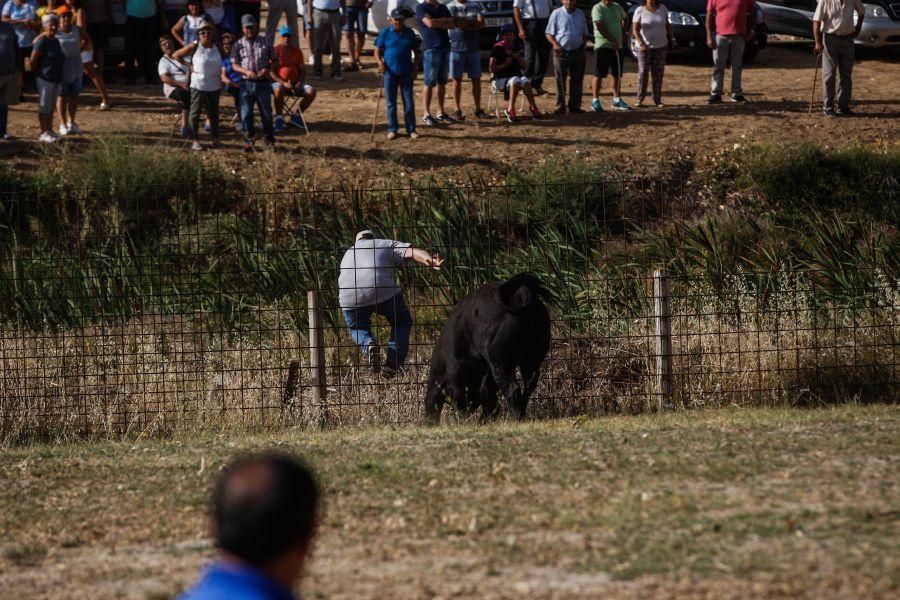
(665, 375)
(317, 356)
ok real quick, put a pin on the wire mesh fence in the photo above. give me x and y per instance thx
(186, 310)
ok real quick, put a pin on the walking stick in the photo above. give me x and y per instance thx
(377, 104)
(812, 95)
(620, 68)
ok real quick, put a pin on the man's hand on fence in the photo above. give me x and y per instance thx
(435, 262)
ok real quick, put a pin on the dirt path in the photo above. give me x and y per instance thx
(339, 149)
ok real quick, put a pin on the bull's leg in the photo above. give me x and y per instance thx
(434, 402)
(529, 383)
(509, 387)
(488, 394)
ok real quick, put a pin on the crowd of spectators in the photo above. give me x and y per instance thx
(199, 48)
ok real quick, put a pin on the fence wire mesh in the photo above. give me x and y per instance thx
(127, 315)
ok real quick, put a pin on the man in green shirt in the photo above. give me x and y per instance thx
(610, 24)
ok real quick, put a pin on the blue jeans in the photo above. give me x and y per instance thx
(395, 310)
(405, 83)
(436, 66)
(357, 19)
(260, 94)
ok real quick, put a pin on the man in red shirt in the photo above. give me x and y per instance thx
(729, 26)
(289, 74)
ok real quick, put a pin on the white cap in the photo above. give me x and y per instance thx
(365, 234)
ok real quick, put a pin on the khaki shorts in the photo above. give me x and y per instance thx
(10, 88)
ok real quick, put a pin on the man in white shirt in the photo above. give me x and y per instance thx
(531, 18)
(834, 19)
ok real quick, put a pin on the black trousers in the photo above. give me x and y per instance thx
(537, 50)
(142, 45)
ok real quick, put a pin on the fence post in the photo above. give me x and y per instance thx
(665, 376)
(317, 356)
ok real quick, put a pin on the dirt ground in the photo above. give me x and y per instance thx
(339, 150)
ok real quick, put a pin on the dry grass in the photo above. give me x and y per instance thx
(738, 503)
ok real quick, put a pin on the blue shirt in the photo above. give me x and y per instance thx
(569, 30)
(24, 35)
(233, 76)
(397, 49)
(236, 582)
(432, 38)
(464, 40)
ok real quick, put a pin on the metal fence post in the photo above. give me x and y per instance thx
(665, 375)
(317, 356)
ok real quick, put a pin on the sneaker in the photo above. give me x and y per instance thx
(639, 103)
(658, 103)
(845, 112)
(714, 99)
(739, 98)
(620, 104)
(311, 60)
(372, 357)
(6, 137)
(444, 118)
(456, 116)
(63, 129)
(535, 112)
(74, 128)
(195, 145)
(596, 106)
(297, 120)
(337, 78)
(392, 135)
(480, 114)
(279, 124)
(414, 136)
(104, 106)
(47, 138)
(829, 112)
(510, 115)
(429, 120)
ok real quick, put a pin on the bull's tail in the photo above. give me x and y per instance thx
(519, 292)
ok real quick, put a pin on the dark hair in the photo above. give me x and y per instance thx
(263, 506)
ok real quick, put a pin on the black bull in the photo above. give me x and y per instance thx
(493, 332)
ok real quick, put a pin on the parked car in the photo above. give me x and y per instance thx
(881, 25)
(688, 20)
(496, 13)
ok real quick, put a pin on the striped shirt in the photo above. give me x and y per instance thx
(254, 54)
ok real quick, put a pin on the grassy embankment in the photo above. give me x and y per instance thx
(737, 503)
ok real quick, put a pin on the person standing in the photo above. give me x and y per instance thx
(186, 28)
(397, 51)
(610, 23)
(46, 63)
(288, 8)
(434, 21)
(10, 75)
(142, 22)
(355, 25)
(465, 55)
(265, 512)
(88, 52)
(252, 58)
(567, 32)
(531, 18)
(729, 26)
(367, 286)
(327, 21)
(22, 15)
(834, 19)
(206, 85)
(71, 39)
(652, 33)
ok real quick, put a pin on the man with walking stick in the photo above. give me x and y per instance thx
(610, 24)
(834, 19)
(397, 51)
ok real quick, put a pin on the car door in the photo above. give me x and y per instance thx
(798, 17)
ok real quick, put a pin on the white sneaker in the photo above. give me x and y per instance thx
(74, 128)
(6, 137)
(104, 106)
(413, 136)
(196, 145)
(47, 138)
(63, 130)
(392, 135)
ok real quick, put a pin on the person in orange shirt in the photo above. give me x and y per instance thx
(290, 79)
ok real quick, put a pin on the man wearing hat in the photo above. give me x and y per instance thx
(252, 57)
(397, 50)
(289, 74)
(367, 286)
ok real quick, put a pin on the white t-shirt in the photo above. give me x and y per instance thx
(653, 26)
(178, 70)
(207, 69)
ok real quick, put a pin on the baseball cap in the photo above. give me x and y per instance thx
(62, 10)
(49, 18)
(401, 13)
(285, 31)
(507, 28)
(365, 234)
(248, 21)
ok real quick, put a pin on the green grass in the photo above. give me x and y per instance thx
(794, 502)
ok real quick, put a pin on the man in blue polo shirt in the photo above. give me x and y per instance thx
(264, 515)
(395, 50)
(567, 32)
(434, 20)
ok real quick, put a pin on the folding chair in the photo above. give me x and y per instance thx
(494, 101)
(292, 105)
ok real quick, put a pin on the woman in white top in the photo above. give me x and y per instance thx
(175, 75)
(651, 32)
(206, 81)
